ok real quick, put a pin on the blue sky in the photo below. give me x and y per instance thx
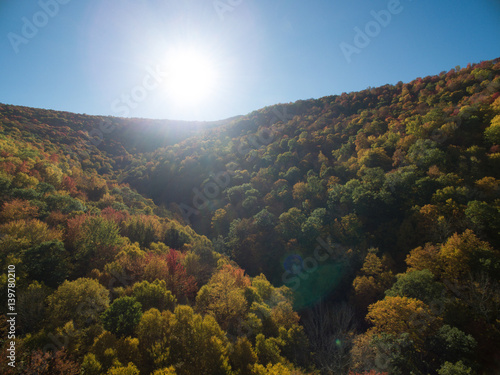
(85, 56)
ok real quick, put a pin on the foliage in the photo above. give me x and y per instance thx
(122, 316)
(332, 197)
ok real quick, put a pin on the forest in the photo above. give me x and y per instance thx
(354, 234)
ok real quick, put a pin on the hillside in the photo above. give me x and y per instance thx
(354, 232)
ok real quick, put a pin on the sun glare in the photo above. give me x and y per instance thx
(191, 77)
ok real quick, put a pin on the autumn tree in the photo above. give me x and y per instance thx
(373, 279)
(81, 301)
(396, 315)
(223, 297)
(153, 295)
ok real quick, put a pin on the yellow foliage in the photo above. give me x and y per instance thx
(396, 315)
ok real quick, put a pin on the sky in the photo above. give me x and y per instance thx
(213, 59)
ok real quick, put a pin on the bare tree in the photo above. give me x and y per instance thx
(330, 330)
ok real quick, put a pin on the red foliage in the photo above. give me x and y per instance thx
(73, 229)
(56, 218)
(49, 363)
(494, 149)
(118, 217)
(8, 167)
(54, 158)
(168, 267)
(239, 276)
(69, 184)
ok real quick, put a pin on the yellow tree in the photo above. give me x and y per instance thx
(223, 296)
(374, 278)
(396, 315)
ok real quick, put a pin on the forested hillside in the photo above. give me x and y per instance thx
(351, 234)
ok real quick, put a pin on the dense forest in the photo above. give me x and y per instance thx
(351, 234)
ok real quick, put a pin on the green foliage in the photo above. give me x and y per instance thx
(96, 243)
(417, 284)
(492, 133)
(153, 295)
(457, 368)
(131, 369)
(453, 345)
(90, 365)
(47, 262)
(410, 169)
(81, 301)
(122, 316)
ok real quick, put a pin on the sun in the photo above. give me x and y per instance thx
(191, 77)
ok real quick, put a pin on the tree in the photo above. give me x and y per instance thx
(396, 315)
(422, 258)
(466, 253)
(90, 365)
(153, 295)
(166, 371)
(111, 351)
(374, 278)
(243, 356)
(220, 222)
(122, 316)
(81, 300)
(290, 223)
(451, 344)
(31, 307)
(168, 267)
(492, 133)
(198, 344)
(143, 229)
(417, 284)
(458, 368)
(223, 297)
(155, 332)
(20, 235)
(130, 369)
(18, 209)
(97, 243)
(47, 262)
(268, 350)
(48, 363)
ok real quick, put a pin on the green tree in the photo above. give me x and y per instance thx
(153, 295)
(97, 243)
(457, 368)
(130, 369)
(47, 262)
(81, 300)
(451, 344)
(122, 316)
(90, 365)
(417, 284)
